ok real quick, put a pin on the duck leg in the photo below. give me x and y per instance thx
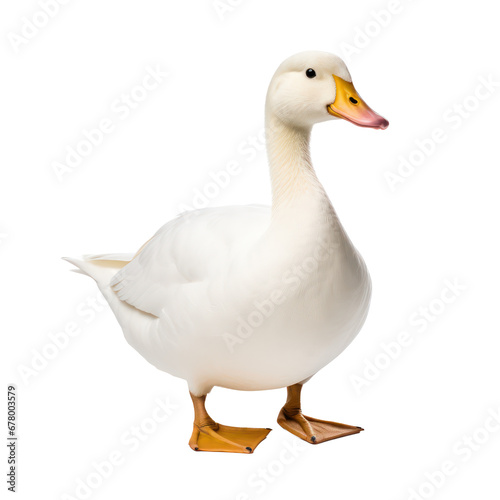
(309, 429)
(208, 435)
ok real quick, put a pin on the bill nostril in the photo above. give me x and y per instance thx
(354, 101)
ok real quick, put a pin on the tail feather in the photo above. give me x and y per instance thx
(77, 271)
(121, 257)
(101, 267)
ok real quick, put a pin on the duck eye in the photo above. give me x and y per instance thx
(354, 101)
(310, 73)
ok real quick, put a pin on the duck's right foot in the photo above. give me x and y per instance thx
(218, 437)
(208, 435)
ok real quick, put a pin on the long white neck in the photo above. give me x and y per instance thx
(293, 179)
(303, 223)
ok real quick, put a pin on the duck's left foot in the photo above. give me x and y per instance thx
(314, 430)
(307, 428)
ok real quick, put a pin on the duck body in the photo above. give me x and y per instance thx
(230, 310)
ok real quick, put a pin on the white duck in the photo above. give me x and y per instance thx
(251, 297)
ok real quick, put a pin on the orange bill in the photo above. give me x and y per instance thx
(349, 106)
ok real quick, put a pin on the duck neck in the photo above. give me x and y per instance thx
(293, 179)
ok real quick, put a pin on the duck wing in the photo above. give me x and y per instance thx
(189, 251)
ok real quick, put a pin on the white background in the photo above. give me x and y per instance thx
(440, 223)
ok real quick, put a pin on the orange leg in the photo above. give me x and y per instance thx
(309, 429)
(208, 435)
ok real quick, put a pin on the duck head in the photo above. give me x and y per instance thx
(312, 87)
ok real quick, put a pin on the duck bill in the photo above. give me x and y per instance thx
(349, 106)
